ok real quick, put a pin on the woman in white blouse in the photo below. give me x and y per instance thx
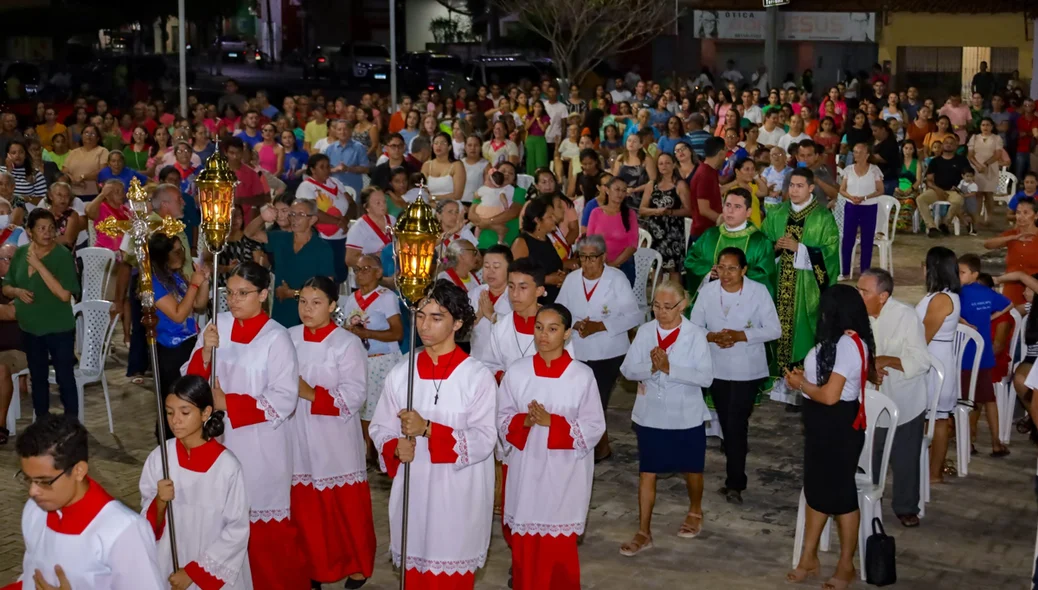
(669, 358)
(739, 317)
(861, 183)
(604, 309)
(833, 383)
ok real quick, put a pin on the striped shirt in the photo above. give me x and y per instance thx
(27, 187)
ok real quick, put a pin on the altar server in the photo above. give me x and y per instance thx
(448, 438)
(331, 501)
(551, 416)
(207, 488)
(76, 535)
(257, 385)
(490, 300)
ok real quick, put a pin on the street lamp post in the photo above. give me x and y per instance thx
(181, 43)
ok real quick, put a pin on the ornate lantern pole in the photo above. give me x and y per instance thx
(216, 185)
(415, 237)
(139, 229)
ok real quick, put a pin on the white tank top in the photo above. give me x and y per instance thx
(441, 185)
(473, 179)
(947, 331)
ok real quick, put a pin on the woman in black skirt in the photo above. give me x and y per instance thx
(833, 383)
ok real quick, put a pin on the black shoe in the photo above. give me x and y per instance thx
(733, 497)
(509, 577)
(722, 448)
(352, 584)
(933, 232)
(944, 229)
(792, 409)
(722, 490)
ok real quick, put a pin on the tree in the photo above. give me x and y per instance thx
(583, 33)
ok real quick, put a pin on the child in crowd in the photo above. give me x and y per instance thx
(968, 189)
(896, 129)
(1029, 190)
(981, 305)
(775, 176)
(494, 199)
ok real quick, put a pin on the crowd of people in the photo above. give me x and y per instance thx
(753, 201)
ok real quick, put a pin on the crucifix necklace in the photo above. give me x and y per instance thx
(436, 386)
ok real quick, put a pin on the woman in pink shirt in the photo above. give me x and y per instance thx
(958, 113)
(839, 106)
(618, 225)
(112, 203)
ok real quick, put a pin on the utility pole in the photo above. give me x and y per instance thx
(771, 17)
(182, 45)
(392, 56)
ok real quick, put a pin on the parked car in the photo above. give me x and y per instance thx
(363, 62)
(426, 70)
(231, 47)
(320, 62)
(502, 69)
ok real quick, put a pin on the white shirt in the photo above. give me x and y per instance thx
(848, 364)
(755, 115)
(770, 138)
(751, 311)
(321, 145)
(787, 139)
(479, 339)
(865, 185)
(331, 198)
(732, 76)
(367, 236)
(620, 95)
(473, 178)
(761, 81)
(211, 514)
(374, 311)
(611, 302)
(898, 332)
(558, 113)
(671, 401)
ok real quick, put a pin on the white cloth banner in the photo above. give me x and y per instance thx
(792, 26)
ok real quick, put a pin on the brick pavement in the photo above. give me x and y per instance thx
(979, 531)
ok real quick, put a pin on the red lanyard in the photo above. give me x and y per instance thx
(365, 302)
(588, 294)
(667, 342)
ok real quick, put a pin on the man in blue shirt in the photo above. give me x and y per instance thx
(266, 109)
(250, 133)
(696, 137)
(348, 158)
(980, 305)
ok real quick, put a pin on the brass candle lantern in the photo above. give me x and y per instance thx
(415, 238)
(139, 228)
(216, 185)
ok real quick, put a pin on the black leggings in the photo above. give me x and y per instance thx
(170, 361)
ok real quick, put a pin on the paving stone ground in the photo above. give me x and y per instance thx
(978, 533)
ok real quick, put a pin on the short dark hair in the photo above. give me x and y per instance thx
(884, 280)
(1030, 202)
(564, 313)
(256, 275)
(233, 142)
(62, 437)
(286, 199)
(529, 267)
(324, 285)
(804, 173)
(736, 252)
(536, 209)
(588, 153)
(455, 300)
(712, 146)
(970, 261)
(741, 192)
(500, 250)
(36, 215)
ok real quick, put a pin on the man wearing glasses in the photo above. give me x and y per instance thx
(395, 148)
(76, 535)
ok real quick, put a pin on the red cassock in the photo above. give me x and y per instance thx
(331, 501)
(256, 367)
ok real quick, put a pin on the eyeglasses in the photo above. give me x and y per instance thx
(241, 293)
(396, 146)
(657, 306)
(5, 259)
(366, 268)
(298, 215)
(43, 484)
(584, 257)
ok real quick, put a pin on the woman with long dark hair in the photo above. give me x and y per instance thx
(257, 362)
(212, 516)
(535, 242)
(939, 310)
(617, 223)
(833, 383)
(664, 206)
(28, 176)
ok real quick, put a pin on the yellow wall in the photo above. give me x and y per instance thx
(919, 29)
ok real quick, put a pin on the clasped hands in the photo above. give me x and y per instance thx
(586, 327)
(411, 425)
(537, 415)
(660, 360)
(726, 338)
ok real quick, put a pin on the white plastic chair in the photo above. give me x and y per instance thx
(885, 204)
(97, 329)
(221, 300)
(963, 407)
(688, 230)
(917, 221)
(1005, 396)
(647, 266)
(870, 485)
(935, 379)
(1006, 187)
(524, 181)
(644, 238)
(14, 412)
(97, 268)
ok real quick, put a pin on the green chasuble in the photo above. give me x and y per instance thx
(760, 255)
(798, 291)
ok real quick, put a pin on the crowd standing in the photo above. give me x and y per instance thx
(752, 196)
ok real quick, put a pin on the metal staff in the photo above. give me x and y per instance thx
(415, 237)
(139, 229)
(216, 185)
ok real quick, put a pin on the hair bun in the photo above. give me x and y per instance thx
(213, 427)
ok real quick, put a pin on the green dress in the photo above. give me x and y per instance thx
(295, 268)
(702, 256)
(799, 291)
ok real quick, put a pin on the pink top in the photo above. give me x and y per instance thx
(611, 228)
(104, 212)
(839, 107)
(539, 125)
(268, 158)
(959, 117)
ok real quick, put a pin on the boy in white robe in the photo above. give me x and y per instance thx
(551, 416)
(448, 438)
(76, 535)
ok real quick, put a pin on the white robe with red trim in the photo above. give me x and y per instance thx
(99, 543)
(211, 514)
(511, 340)
(261, 380)
(479, 338)
(452, 475)
(550, 469)
(329, 446)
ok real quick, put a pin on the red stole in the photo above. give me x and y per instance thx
(589, 294)
(381, 233)
(453, 274)
(671, 338)
(332, 190)
(365, 302)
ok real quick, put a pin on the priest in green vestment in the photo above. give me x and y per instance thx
(734, 231)
(808, 244)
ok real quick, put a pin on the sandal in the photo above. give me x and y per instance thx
(635, 545)
(1002, 452)
(798, 574)
(688, 531)
(909, 521)
(138, 380)
(835, 583)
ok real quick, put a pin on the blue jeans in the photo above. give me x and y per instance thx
(1023, 161)
(42, 351)
(628, 269)
(889, 185)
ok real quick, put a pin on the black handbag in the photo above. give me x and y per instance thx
(880, 567)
